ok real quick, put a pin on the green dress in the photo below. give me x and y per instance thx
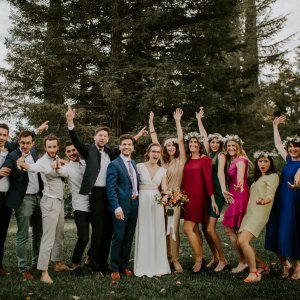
(219, 198)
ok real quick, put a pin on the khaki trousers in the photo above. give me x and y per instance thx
(53, 231)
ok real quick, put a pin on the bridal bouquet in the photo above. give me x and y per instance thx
(171, 199)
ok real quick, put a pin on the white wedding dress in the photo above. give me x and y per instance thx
(150, 255)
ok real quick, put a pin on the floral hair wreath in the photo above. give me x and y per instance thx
(289, 139)
(171, 140)
(261, 153)
(216, 136)
(194, 135)
(232, 137)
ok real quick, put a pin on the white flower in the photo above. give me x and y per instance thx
(261, 153)
(289, 139)
(215, 136)
(232, 137)
(171, 140)
(195, 135)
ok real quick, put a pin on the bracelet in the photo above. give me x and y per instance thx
(152, 131)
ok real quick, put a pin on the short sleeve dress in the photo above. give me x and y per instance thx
(235, 212)
(197, 183)
(283, 228)
(257, 215)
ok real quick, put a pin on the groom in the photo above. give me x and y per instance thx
(122, 192)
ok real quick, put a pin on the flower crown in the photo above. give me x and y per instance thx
(261, 153)
(171, 140)
(215, 136)
(232, 137)
(289, 139)
(195, 135)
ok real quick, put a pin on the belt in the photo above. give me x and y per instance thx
(33, 195)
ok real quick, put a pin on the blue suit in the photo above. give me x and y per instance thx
(119, 193)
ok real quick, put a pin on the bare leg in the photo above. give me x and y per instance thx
(193, 234)
(239, 253)
(214, 237)
(215, 259)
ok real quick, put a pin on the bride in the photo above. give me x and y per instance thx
(150, 255)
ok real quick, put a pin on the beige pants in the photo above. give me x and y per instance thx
(173, 246)
(53, 231)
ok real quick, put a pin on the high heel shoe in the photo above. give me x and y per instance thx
(264, 270)
(240, 268)
(212, 264)
(253, 279)
(296, 274)
(178, 267)
(221, 265)
(199, 266)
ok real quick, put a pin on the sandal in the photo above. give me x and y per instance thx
(286, 271)
(296, 274)
(264, 270)
(212, 264)
(178, 267)
(221, 265)
(240, 268)
(255, 279)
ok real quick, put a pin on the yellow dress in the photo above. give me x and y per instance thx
(174, 179)
(257, 215)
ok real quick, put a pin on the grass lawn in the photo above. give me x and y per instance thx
(209, 285)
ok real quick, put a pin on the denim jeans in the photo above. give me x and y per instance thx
(28, 214)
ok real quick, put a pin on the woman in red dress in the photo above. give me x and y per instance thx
(198, 186)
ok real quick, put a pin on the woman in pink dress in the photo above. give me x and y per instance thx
(238, 195)
(198, 185)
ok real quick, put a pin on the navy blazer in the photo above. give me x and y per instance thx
(92, 157)
(18, 179)
(119, 185)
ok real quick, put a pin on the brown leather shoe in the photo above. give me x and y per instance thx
(61, 267)
(128, 272)
(115, 276)
(3, 273)
(27, 276)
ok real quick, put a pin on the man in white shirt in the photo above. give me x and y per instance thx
(24, 197)
(74, 171)
(52, 207)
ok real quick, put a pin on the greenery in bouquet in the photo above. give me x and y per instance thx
(171, 199)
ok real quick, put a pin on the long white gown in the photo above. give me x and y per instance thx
(150, 255)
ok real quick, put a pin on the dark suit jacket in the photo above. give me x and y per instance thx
(18, 179)
(92, 156)
(119, 185)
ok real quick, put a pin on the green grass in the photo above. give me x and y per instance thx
(206, 285)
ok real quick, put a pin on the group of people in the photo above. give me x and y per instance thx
(117, 198)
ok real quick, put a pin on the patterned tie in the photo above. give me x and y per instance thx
(131, 175)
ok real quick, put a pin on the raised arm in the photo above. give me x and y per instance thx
(142, 132)
(80, 146)
(202, 130)
(152, 131)
(177, 117)
(277, 138)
